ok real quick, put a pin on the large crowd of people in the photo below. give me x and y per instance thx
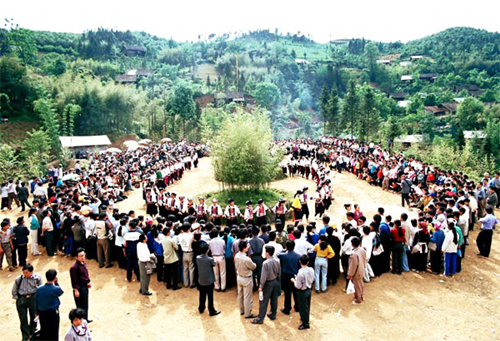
(253, 248)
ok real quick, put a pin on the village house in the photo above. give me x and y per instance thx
(85, 143)
(428, 76)
(132, 76)
(398, 96)
(134, 50)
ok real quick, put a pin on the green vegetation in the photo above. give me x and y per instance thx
(241, 151)
(67, 83)
(270, 196)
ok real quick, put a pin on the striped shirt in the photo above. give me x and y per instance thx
(26, 286)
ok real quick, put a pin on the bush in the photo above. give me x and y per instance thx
(242, 151)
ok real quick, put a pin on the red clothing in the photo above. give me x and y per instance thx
(396, 237)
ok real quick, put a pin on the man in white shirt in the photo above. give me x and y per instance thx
(232, 212)
(185, 241)
(302, 246)
(278, 248)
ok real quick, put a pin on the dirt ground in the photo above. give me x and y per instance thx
(415, 306)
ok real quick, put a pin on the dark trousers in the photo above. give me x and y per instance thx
(49, 242)
(120, 256)
(397, 257)
(484, 242)
(22, 254)
(289, 289)
(24, 202)
(305, 211)
(49, 325)
(206, 291)
(159, 268)
(230, 273)
(82, 302)
(24, 306)
(257, 259)
(132, 264)
(170, 275)
(271, 292)
(304, 297)
(436, 261)
(405, 197)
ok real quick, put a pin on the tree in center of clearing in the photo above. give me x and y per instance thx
(242, 152)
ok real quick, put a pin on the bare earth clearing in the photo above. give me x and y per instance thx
(409, 307)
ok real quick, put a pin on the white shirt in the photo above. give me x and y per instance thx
(185, 241)
(277, 250)
(143, 253)
(47, 224)
(302, 246)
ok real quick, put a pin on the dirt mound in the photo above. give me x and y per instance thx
(14, 133)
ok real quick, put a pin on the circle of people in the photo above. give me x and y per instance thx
(184, 242)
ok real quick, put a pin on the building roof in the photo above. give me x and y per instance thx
(383, 61)
(138, 72)
(302, 61)
(403, 104)
(126, 78)
(431, 75)
(135, 48)
(410, 139)
(416, 56)
(450, 106)
(398, 95)
(407, 78)
(434, 110)
(234, 95)
(84, 141)
(474, 134)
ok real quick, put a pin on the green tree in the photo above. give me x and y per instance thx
(45, 109)
(36, 152)
(350, 109)
(181, 103)
(468, 113)
(371, 56)
(266, 94)
(68, 119)
(15, 88)
(8, 161)
(333, 113)
(242, 152)
(369, 119)
(23, 44)
(323, 105)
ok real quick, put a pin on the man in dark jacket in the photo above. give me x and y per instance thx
(206, 280)
(21, 233)
(22, 195)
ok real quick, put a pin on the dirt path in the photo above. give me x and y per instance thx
(409, 307)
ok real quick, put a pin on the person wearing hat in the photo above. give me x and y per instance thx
(215, 212)
(319, 207)
(303, 202)
(280, 210)
(181, 208)
(162, 198)
(232, 213)
(201, 209)
(248, 217)
(260, 212)
(172, 204)
(151, 207)
(190, 207)
(296, 206)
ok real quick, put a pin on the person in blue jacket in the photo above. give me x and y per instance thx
(437, 254)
